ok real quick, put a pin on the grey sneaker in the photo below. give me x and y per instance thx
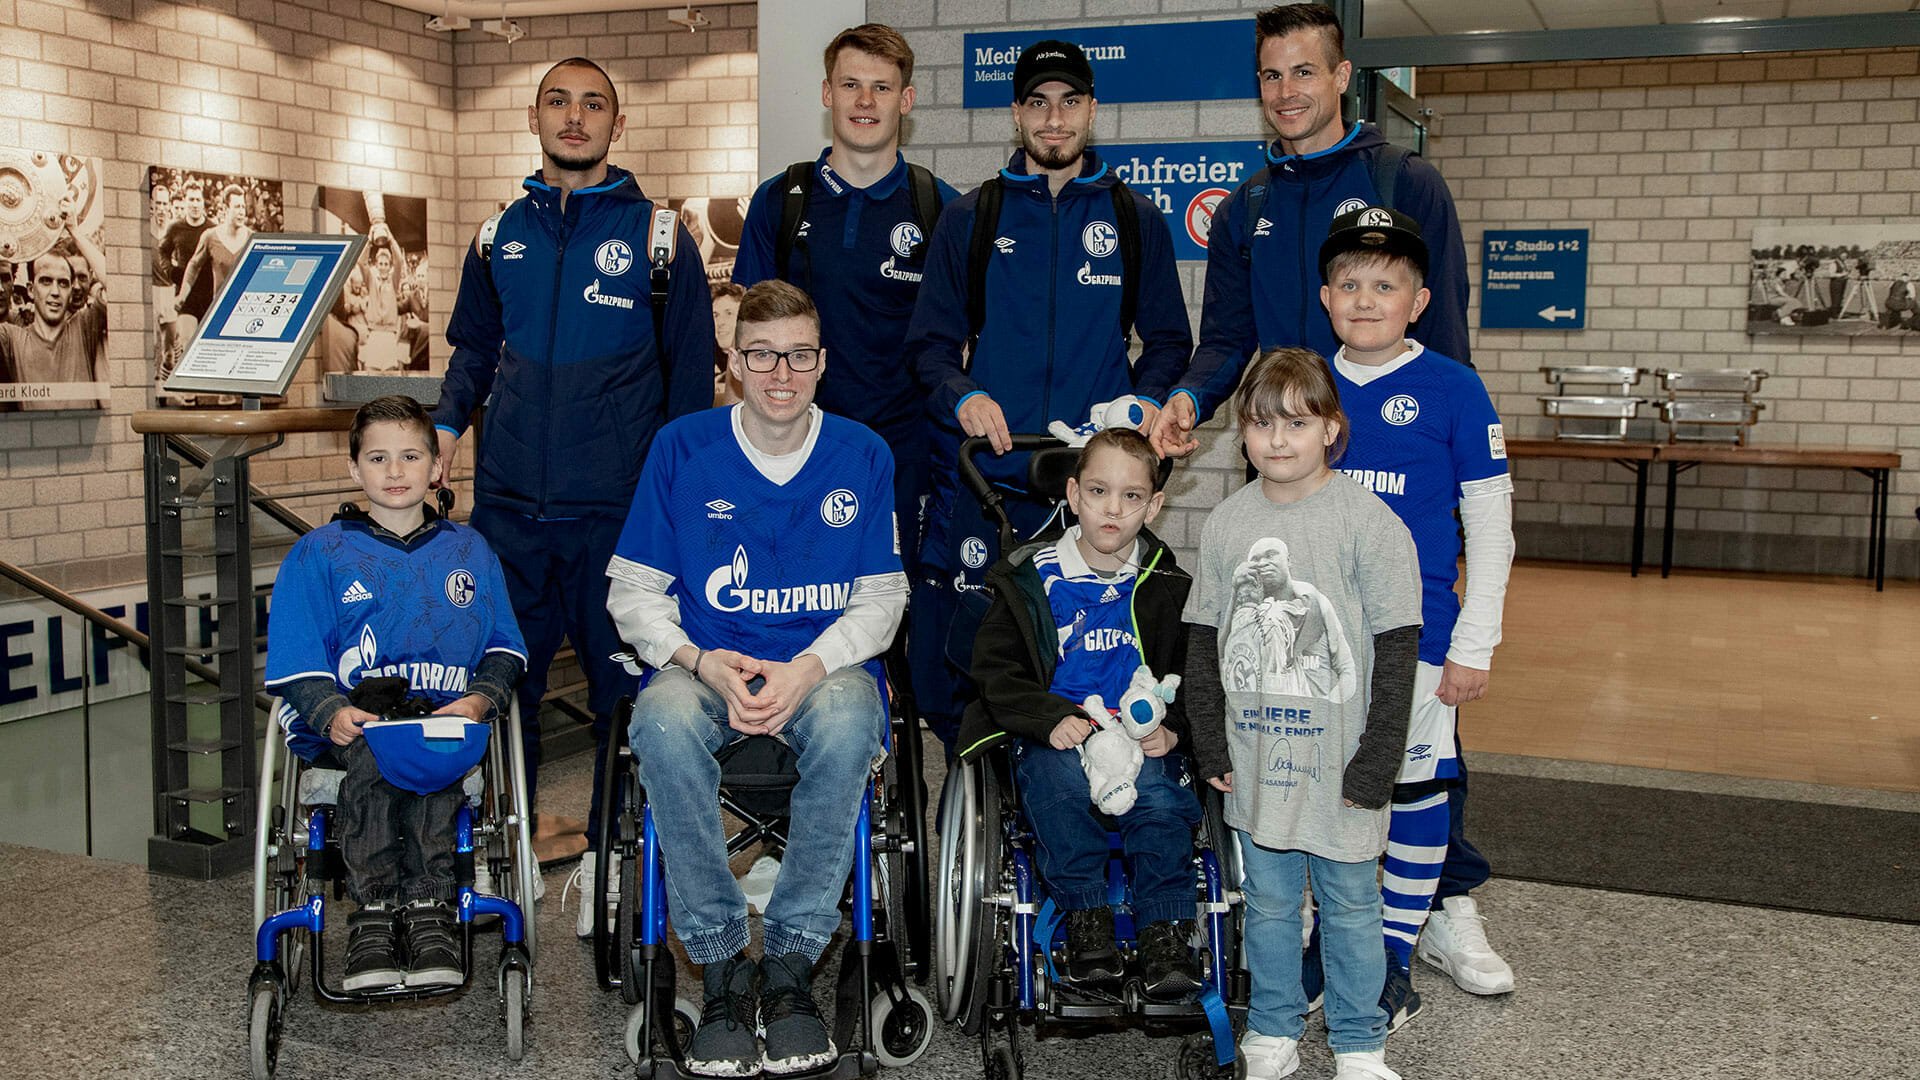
(725, 1043)
(796, 1037)
(433, 944)
(373, 946)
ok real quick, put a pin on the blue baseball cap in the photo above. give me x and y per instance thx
(426, 754)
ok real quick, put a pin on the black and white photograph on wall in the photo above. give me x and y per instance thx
(53, 290)
(1834, 280)
(198, 223)
(379, 323)
(715, 223)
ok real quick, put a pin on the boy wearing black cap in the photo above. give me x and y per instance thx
(1427, 440)
(1027, 322)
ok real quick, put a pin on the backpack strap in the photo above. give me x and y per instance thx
(1385, 171)
(488, 229)
(1258, 188)
(986, 223)
(795, 188)
(925, 195)
(663, 236)
(1126, 221)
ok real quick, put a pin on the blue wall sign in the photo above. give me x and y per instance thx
(1185, 181)
(1192, 61)
(1533, 279)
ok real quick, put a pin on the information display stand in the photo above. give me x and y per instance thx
(267, 314)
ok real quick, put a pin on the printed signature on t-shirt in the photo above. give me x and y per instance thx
(1284, 772)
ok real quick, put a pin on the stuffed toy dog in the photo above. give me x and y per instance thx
(1111, 756)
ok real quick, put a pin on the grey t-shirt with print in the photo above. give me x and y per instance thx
(1298, 591)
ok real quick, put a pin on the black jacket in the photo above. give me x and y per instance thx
(1013, 660)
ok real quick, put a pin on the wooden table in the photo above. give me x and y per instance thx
(1635, 456)
(1876, 465)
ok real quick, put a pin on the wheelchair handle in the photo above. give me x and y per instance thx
(974, 445)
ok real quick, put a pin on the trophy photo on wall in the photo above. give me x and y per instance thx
(53, 290)
(379, 322)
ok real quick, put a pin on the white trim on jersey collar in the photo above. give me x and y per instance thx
(778, 468)
(1362, 374)
(1074, 565)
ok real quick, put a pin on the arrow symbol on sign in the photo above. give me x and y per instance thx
(1552, 313)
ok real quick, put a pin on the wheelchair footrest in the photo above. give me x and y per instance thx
(848, 1066)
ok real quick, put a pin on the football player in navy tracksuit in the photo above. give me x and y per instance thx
(860, 252)
(1051, 345)
(554, 328)
(1263, 290)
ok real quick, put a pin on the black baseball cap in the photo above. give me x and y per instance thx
(1378, 229)
(1052, 61)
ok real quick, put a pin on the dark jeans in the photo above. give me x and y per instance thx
(1465, 869)
(1157, 834)
(398, 846)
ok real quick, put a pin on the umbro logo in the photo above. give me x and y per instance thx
(513, 249)
(1263, 227)
(1110, 595)
(804, 226)
(1004, 243)
(355, 593)
(719, 509)
(1420, 751)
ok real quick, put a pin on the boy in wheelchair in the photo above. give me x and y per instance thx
(759, 577)
(393, 610)
(1072, 617)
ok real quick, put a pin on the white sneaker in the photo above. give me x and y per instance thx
(586, 880)
(1363, 1065)
(1269, 1057)
(1455, 941)
(758, 882)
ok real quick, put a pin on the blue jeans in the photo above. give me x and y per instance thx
(679, 724)
(1157, 834)
(1350, 930)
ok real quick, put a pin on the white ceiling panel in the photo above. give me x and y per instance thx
(1457, 17)
(1413, 18)
(1393, 18)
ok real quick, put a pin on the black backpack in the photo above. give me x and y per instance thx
(921, 189)
(986, 223)
(1384, 171)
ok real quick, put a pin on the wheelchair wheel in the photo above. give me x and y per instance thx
(1002, 1065)
(514, 810)
(1197, 1062)
(626, 928)
(970, 932)
(1219, 838)
(902, 1030)
(686, 1017)
(514, 987)
(263, 1032)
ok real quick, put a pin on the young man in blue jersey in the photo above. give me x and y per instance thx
(858, 247)
(553, 325)
(1051, 340)
(1427, 440)
(392, 590)
(1076, 615)
(1263, 284)
(759, 577)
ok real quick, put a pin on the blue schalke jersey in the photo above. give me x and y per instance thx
(759, 567)
(1418, 434)
(860, 254)
(350, 604)
(1093, 624)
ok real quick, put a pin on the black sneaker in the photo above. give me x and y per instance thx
(725, 1044)
(1398, 998)
(373, 946)
(796, 1038)
(433, 944)
(1092, 959)
(1166, 952)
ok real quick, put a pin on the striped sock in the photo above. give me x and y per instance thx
(1416, 849)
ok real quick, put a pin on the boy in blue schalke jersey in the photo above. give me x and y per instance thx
(758, 575)
(1427, 440)
(394, 590)
(1074, 616)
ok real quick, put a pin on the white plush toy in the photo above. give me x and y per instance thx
(1111, 756)
(1125, 412)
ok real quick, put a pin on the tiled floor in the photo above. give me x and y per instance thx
(111, 972)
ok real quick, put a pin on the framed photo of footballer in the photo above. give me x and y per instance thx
(53, 282)
(198, 223)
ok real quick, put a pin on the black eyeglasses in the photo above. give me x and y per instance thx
(765, 360)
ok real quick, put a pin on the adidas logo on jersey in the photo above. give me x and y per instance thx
(355, 593)
(1263, 227)
(1110, 595)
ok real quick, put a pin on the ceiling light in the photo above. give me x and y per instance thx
(693, 20)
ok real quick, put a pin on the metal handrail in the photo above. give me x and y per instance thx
(48, 590)
(271, 506)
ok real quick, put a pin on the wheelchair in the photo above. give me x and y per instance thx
(881, 962)
(994, 926)
(296, 859)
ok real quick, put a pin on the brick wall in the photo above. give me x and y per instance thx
(1672, 163)
(313, 93)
